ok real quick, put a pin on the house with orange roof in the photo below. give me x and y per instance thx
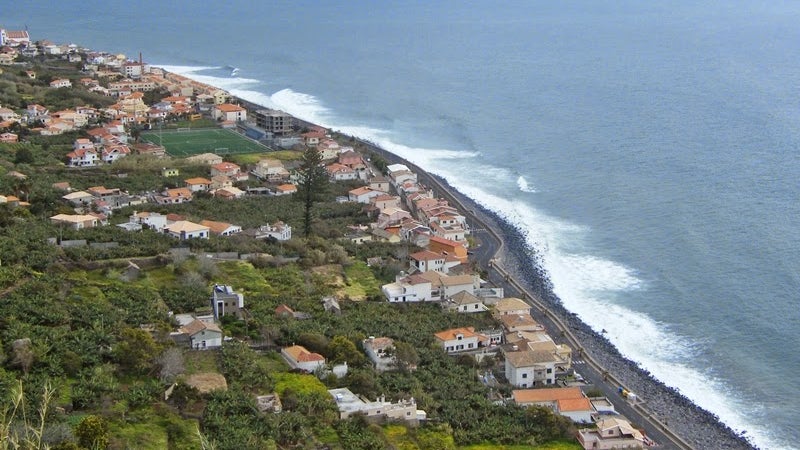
(227, 111)
(568, 401)
(221, 228)
(183, 230)
(363, 194)
(202, 335)
(298, 357)
(227, 169)
(312, 138)
(441, 245)
(174, 196)
(463, 339)
(112, 153)
(285, 189)
(197, 184)
(9, 138)
(339, 172)
(83, 157)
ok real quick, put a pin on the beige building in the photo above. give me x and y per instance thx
(611, 433)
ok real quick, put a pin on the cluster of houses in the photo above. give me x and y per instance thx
(94, 205)
(532, 360)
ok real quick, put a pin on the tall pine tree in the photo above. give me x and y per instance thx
(313, 182)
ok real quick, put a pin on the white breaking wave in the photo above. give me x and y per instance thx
(586, 284)
(524, 186)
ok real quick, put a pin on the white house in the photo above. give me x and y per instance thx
(611, 433)
(349, 404)
(379, 351)
(298, 357)
(221, 228)
(464, 302)
(85, 157)
(202, 335)
(340, 172)
(183, 230)
(154, 220)
(568, 401)
(197, 184)
(226, 302)
(530, 368)
(363, 194)
(60, 83)
(463, 339)
(399, 174)
(278, 230)
(412, 288)
(445, 286)
(227, 111)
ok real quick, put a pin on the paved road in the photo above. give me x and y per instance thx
(484, 254)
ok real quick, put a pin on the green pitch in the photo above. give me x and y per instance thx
(211, 140)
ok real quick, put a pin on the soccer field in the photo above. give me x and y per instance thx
(211, 140)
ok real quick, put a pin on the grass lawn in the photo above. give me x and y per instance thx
(200, 361)
(252, 158)
(208, 140)
(360, 283)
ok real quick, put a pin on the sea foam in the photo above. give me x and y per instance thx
(585, 283)
(524, 186)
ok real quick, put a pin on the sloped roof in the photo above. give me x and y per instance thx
(453, 333)
(300, 354)
(529, 358)
(197, 326)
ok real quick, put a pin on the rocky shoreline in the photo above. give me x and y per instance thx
(702, 429)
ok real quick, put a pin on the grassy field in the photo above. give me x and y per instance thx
(210, 140)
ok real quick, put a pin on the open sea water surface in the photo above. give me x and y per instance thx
(647, 150)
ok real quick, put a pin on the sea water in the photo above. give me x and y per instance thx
(647, 150)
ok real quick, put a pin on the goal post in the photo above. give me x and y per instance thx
(221, 150)
(180, 130)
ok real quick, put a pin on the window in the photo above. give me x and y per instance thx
(524, 375)
(549, 370)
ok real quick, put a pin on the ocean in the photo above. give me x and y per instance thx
(647, 150)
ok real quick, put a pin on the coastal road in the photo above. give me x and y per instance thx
(487, 256)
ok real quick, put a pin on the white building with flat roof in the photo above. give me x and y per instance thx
(349, 404)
